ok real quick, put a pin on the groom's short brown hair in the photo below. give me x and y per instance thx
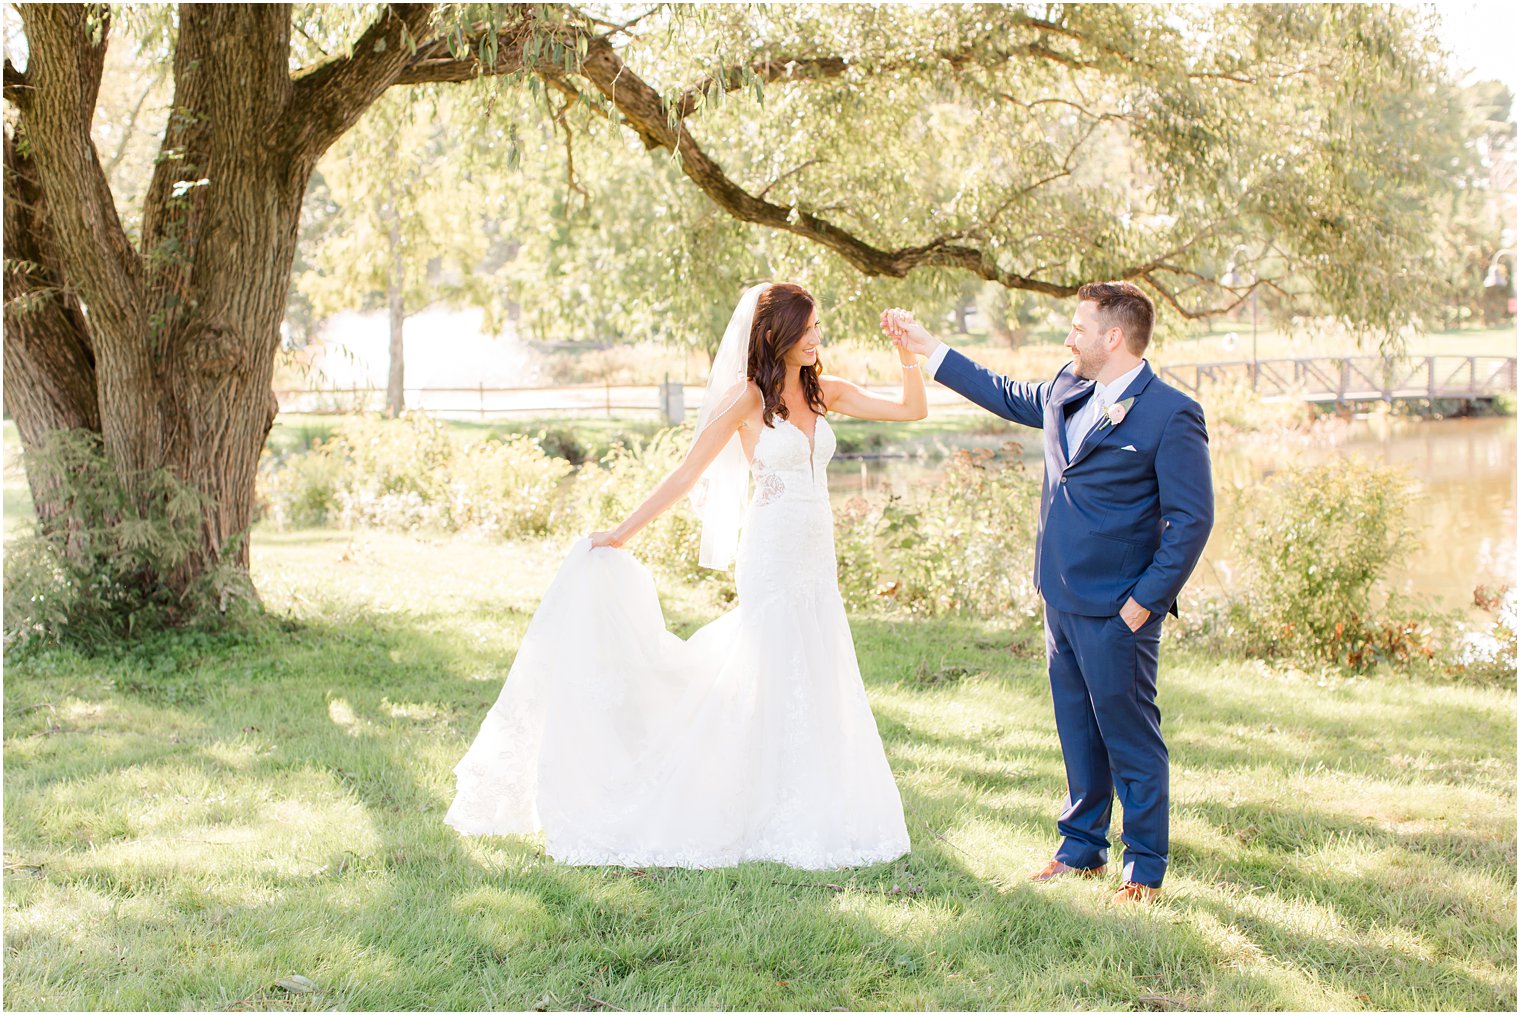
(1126, 307)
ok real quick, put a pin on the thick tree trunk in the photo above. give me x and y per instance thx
(192, 391)
(49, 365)
(185, 331)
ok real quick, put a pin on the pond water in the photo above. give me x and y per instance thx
(1464, 513)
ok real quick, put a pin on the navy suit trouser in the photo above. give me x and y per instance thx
(1103, 684)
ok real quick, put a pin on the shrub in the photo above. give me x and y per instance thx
(93, 573)
(963, 545)
(506, 488)
(562, 442)
(301, 490)
(1490, 657)
(1316, 541)
(408, 473)
(858, 440)
(396, 472)
(1236, 406)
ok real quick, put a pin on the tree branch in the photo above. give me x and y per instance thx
(647, 114)
(596, 104)
(50, 377)
(1111, 50)
(613, 27)
(769, 71)
(1171, 299)
(570, 178)
(789, 173)
(1081, 109)
(814, 68)
(1057, 28)
(329, 97)
(63, 72)
(434, 62)
(131, 126)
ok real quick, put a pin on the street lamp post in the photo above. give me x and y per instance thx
(1498, 278)
(1234, 278)
(1494, 279)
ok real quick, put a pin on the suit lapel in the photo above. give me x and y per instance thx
(1095, 436)
(1079, 390)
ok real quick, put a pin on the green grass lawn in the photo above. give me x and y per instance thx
(191, 819)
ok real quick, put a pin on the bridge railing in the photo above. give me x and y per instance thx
(1354, 378)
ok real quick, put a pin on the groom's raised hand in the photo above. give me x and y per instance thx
(907, 332)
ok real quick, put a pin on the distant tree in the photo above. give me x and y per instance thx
(1470, 223)
(407, 229)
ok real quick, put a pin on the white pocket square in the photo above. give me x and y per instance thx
(1128, 447)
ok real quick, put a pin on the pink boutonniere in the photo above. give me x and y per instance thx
(1114, 414)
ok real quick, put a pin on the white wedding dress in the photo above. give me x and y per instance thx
(751, 740)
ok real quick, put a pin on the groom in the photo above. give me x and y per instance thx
(1125, 511)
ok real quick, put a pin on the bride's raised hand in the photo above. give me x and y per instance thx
(905, 329)
(609, 538)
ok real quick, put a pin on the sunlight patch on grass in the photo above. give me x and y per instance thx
(1386, 804)
(1261, 973)
(506, 920)
(70, 916)
(342, 715)
(988, 850)
(239, 755)
(916, 921)
(424, 711)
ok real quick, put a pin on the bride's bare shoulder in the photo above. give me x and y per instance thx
(743, 401)
(745, 396)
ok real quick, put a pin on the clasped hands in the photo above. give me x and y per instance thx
(906, 333)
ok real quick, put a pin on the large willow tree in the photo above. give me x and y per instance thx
(886, 141)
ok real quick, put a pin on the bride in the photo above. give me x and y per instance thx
(752, 739)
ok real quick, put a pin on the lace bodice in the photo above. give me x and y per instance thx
(788, 465)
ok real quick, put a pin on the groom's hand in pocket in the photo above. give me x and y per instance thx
(1134, 614)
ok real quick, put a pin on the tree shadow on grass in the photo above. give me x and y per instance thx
(1404, 974)
(1306, 829)
(1226, 727)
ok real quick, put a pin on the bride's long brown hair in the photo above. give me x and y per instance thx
(781, 316)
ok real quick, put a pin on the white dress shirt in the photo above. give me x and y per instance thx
(1104, 395)
(1083, 419)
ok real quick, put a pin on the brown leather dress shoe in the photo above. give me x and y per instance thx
(1133, 892)
(1056, 868)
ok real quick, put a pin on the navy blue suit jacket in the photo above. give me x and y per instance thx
(1130, 513)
